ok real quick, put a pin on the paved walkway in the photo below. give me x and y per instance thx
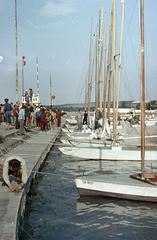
(6, 133)
(12, 204)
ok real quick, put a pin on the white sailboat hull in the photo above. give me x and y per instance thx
(71, 121)
(84, 142)
(114, 154)
(65, 142)
(125, 188)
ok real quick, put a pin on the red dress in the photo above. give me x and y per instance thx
(43, 122)
(58, 117)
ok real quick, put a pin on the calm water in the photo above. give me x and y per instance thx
(54, 210)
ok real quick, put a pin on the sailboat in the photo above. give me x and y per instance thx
(100, 137)
(140, 186)
(125, 146)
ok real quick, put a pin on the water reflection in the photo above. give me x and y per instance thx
(55, 211)
(119, 219)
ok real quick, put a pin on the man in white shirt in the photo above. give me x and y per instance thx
(21, 118)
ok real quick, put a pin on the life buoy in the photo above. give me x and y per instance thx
(6, 167)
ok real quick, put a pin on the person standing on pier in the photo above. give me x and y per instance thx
(22, 119)
(43, 122)
(37, 115)
(98, 116)
(1, 114)
(58, 117)
(7, 113)
(85, 118)
(16, 114)
(79, 120)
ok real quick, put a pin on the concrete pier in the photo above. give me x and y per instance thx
(12, 204)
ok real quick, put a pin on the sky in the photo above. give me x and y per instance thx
(57, 32)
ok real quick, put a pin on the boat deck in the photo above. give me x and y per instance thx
(117, 179)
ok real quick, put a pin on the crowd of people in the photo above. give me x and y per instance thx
(21, 116)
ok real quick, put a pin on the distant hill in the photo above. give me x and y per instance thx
(72, 107)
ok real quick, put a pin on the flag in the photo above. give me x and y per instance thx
(53, 97)
(23, 60)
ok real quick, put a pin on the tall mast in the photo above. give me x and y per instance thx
(86, 92)
(100, 56)
(89, 78)
(114, 71)
(142, 76)
(120, 60)
(23, 75)
(105, 89)
(16, 40)
(109, 65)
(107, 71)
(96, 69)
(37, 75)
(50, 90)
(23, 80)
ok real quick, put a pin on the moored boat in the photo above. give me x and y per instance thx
(116, 186)
(109, 152)
(140, 186)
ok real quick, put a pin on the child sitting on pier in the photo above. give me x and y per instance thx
(14, 173)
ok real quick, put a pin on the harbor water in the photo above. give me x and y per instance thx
(54, 209)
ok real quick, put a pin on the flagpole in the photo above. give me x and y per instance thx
(50, 91)
(37, 69)
(16, 40)
(23, 87)
(23, 77)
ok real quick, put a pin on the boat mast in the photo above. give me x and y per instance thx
(86, 93)
(16, 40)
(120, 60)
(98, 61)
(114, 71)
(142, 76)
(109, 66)
(105, 89)
(100, 56)
(50, 91)
(89, 78)
(96, 69)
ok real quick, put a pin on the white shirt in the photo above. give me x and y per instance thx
(21, 114)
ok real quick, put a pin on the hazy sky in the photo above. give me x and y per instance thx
(57, 32)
